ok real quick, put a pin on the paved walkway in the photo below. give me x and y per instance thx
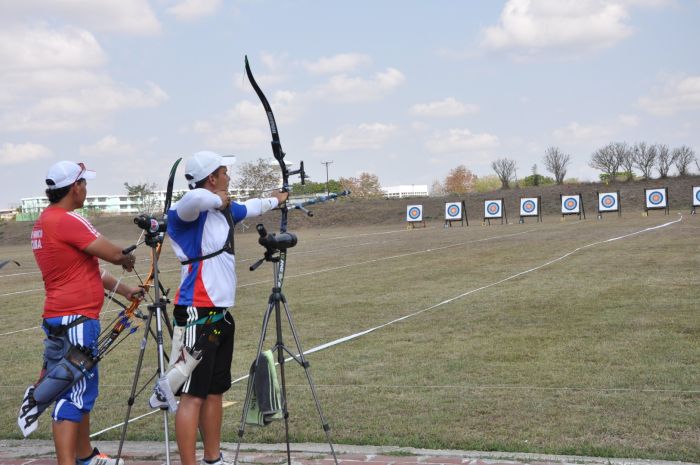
(33, 452)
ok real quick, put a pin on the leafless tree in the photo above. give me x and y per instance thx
(644, 158)
(683, 156)
(556, 162)
(144, 194)
(258, 176)
(664, 160)
(626, 155)
(437, 189)
(607, 160)
(505, 170)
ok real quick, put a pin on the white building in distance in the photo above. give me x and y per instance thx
(405, 190)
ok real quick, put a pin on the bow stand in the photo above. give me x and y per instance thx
(276, 246)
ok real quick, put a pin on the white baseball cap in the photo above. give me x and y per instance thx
(64, 173)
(202, 164)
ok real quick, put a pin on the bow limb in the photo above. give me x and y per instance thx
(5, 262)
(277, 151)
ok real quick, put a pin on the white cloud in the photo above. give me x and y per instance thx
(245, 126)
(53, 81)
(575, 132)
(108, 146)
(365, 136)
(190, 10)
(81, 108)
(44, 48)
(676, 95)
(133, 17)
(345, 89)
(535, 25)
(447, 108)
(629, 120)
(460, 140)
(13, 154)
(340, 63)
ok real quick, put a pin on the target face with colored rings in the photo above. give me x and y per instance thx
(696, 196)
(414, 213)
(493, 209)
(453, 211)
(608, 202)
(571, 204)
(656, 198)
(529, 206)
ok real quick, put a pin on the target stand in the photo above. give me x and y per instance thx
(609, 202)
(493, 210)
(530, 207)
(696, 200)
(572, 204)
(414, 216)
(656, 199)
(455, 211)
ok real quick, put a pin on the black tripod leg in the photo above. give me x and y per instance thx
(279, 346)
(302, 361)
(249, 389)
(158, 336)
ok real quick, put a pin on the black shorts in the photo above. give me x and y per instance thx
(213, 374)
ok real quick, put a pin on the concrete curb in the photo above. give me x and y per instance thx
(19, 451)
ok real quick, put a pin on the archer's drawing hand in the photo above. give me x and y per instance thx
(225, 199)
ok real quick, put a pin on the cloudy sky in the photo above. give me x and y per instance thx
(404, 89)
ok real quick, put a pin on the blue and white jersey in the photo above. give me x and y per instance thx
(196, 228)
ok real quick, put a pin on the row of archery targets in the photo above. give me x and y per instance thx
(531, 207)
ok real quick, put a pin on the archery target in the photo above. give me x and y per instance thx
(529, 206)
(453, 211)
(656, 198)
(493, 208)
(414, 213)
(696, 196)
(571, 203)
(608, 202)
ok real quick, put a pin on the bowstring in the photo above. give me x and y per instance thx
(106, 308)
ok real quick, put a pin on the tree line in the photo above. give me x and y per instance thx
(616, 161)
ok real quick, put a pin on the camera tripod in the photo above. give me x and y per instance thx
(275, 252)
(154, 240)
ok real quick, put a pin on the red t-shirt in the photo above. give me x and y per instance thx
(71, 277)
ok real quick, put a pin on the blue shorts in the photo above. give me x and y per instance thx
(79, 399)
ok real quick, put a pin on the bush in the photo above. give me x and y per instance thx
(536, 180)
(487, 184)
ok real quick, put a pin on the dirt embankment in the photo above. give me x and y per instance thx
(350, 211)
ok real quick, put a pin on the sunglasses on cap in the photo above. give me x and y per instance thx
(80, 173)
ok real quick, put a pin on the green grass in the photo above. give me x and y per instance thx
(595, 354)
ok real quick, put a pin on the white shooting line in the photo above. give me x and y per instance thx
(440, 304)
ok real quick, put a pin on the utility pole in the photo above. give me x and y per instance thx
(326, 163)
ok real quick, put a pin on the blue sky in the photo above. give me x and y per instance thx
(406, 89)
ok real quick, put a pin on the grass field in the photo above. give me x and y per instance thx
(512, 342)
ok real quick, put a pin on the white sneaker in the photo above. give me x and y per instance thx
(221, 461)
(99, 459)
